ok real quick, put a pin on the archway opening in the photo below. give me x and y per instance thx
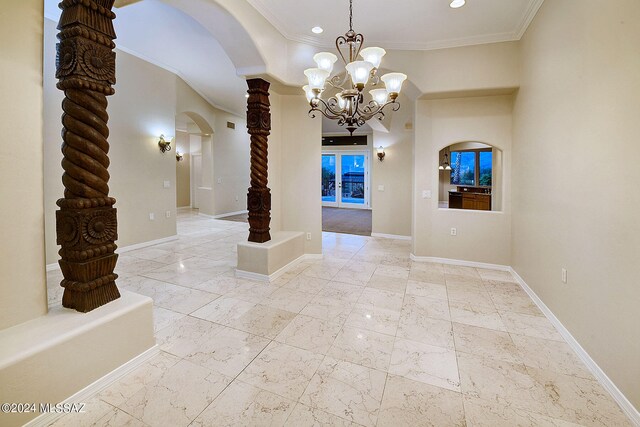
(470, 176)
(194, 160)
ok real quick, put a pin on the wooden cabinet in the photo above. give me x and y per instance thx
(469, 200)
(483, 202)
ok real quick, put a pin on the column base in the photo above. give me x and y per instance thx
(85, 301)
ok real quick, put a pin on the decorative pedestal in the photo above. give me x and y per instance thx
(267, 261)
(66, 354)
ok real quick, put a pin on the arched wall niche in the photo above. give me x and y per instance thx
(471, 176)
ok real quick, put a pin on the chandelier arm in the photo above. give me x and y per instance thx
(328, 107)
(370, 114)
(337, 82)
(372, 107)
(324, 112)
(329, 116)
(396, 105)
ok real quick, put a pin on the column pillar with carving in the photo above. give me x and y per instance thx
(86, 223)
(259, 126)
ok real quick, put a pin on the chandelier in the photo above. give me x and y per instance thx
(348, 106)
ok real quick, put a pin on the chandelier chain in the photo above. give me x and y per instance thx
(351, 15)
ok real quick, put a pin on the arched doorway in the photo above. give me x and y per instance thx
(194, 161)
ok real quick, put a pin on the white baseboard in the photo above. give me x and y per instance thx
(56, 266)
(460, 262)
(624, 403)
(390, 236)
(224, 215)
(242, 274)
(96, 387)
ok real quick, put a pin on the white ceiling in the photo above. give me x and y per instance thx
(183, 36)
(401, 24)
(171, 39)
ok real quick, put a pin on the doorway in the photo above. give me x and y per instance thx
(345, 179)
(196, 169)
(345, 192)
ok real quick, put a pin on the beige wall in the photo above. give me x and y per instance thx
(483, 236)
(231, 157)
(468, 68)
(183, 170)
(142, 109)
(298, 141)
(22, 280)
(275, 160)
(575, 169)
(391, 208)
(225, 154)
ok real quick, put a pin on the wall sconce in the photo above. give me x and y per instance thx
(381, 153)
(445, 166)
(164, 144)
(179, 156)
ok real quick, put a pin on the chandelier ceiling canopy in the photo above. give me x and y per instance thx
(348, 106)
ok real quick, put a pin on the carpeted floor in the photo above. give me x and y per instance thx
(348, 221)
(336, 220)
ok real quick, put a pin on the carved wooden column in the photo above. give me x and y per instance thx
(86, 223)
(259, 125)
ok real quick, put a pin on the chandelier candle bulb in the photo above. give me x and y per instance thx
(393, 83)
(308, 92)
(380, 96)
(359, 71)
(316, 77)
(325, 61)
(373, 55)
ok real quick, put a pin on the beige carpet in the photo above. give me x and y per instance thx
(348, 221)
(336, 220)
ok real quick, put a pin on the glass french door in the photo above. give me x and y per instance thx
(345, 179)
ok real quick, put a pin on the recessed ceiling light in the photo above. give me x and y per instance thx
(317, 30)
(457, 3)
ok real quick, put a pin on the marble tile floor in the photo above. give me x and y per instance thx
(364, 337)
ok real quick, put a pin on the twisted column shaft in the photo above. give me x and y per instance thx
(259, 127)
(86, 224)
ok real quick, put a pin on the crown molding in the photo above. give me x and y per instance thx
(529, 14)
(521, 28)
